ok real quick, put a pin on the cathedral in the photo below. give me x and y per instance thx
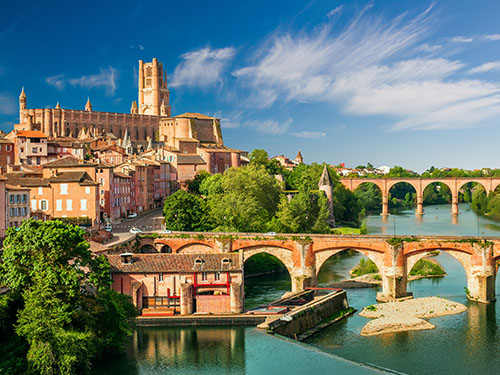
(142, 124)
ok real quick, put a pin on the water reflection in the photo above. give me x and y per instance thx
(182, 350)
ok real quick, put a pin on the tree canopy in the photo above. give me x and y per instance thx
(65, 312)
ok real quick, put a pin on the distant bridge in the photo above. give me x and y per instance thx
(419, 184)
(303, 255)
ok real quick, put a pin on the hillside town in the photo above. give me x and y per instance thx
(94, 168)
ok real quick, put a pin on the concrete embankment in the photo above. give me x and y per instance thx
(306, 317)
(201, 320)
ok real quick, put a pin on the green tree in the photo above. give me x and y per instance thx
(306, 212)
(211, 185)
(249, 200)
(64, 292)
(185, 211)
(194, 184)
(259, 157)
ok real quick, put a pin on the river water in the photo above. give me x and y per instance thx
(467, 343)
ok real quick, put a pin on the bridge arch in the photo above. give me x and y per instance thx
(148, 249)
(282, 254)
(323, 255)
(463, 257)
(196, 248)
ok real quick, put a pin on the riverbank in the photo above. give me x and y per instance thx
(407, 315)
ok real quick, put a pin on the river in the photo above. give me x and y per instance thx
(467, 343)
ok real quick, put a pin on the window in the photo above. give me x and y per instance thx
(64, 189)
(217, 276)
(160, 277)
(18, 198)
(40, 190)
(102, 192)
(87, 190)
(43, 205)
(11, 199)
(83, 204)
(33, 204)
(69, 204)
(11, 212)
(101, 181)
(204, 276)
(102, 201)
(59, 205)
(35, 149)
(25, 198)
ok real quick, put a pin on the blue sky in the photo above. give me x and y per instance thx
(412, 83)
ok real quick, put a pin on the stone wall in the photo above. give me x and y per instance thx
(307, 316)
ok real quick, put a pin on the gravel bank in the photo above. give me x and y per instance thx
(407, 315)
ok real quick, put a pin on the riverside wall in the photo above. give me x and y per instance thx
(308, 316)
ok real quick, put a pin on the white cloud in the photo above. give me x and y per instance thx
(335, 12)
(8, 105)
(229, 121)
(492, 37)
(366, 70)
(461, 39)
(269, 126)
(487, 67)
(106, 78)
(202, 67)
(305, 134)
(429, 48)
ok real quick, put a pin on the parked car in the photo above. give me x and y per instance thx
(166, 231)
(108, 227)
(270, 234)
(135, 230)
(133, 215)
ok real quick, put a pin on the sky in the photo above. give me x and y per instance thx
(390, 82)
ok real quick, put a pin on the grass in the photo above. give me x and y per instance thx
(347, 230)
(364, 267)
(425, 267)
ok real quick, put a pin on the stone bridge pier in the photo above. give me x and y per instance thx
(304, 255)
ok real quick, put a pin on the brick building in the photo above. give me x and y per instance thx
(164, 284)
(17, 201)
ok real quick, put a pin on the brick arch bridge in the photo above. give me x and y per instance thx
(304, 255)
(419, 184)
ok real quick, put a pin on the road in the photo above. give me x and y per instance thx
(147, 221)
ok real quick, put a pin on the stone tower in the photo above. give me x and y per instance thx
(299, 158)
(133, 109)
(88, 106)
(153, 89)
(325, 184)
(22, 105)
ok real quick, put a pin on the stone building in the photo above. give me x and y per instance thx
(66, 188)
(167, 284)
(17, 201)
(141, 123)
(3, 181)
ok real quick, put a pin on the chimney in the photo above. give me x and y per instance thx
(127, 258)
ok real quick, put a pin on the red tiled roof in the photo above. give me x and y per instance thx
(174, 263)
(195, 115)
(68, 161)
(30, 134)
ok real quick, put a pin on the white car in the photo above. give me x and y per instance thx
(270, 234)
(133, 215)
(135, 230)
(166, 231)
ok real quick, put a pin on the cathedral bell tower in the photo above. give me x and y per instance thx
(22, 106)
(154, 96)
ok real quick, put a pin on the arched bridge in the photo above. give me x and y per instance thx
(419, 184)
(303, 255)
